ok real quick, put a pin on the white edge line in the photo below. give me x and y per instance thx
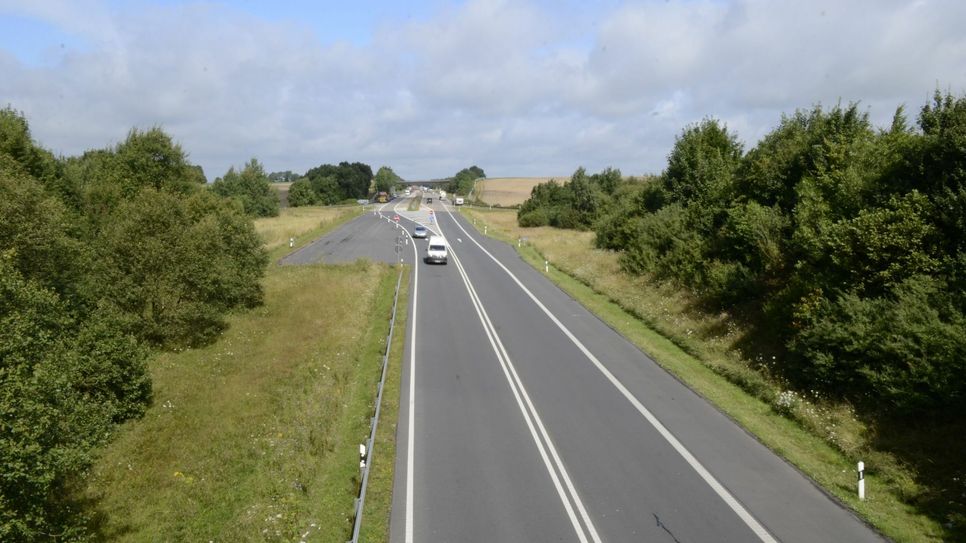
(695, 464)
(522, 401)
(515, 382)
(411, 433)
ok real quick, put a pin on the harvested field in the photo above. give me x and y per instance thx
(510, 191)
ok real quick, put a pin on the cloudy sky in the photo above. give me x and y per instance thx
(520, 88)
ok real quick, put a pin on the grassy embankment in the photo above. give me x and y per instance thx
(254, 438)
(820, 438)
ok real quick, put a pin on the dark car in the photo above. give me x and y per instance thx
(429, 200)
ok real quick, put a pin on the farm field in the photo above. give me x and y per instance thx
(510, 191)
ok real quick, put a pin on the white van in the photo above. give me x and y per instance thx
(436, 250)
(459, 201)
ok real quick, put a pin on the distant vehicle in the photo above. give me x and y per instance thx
(442, 195)
(420, 231)
(382, 197)
(429, 200)
(436, 250)
(459, 201)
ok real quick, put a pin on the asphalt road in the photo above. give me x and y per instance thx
(525, 418)
(368, 236)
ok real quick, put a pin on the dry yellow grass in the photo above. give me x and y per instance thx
(294, 222)
(510, 191)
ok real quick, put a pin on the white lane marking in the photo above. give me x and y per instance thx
(411, 433)
(695, 464)
(529, 410)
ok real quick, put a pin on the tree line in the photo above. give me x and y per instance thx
(329, 184)
(462, 182)
(843, 242)
(104, 258)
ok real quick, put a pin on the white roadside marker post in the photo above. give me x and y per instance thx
(861, 480)
(291, 242)
(546, 266)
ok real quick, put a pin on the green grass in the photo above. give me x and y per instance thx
(255, 437)
(375, 517)
(820, 438)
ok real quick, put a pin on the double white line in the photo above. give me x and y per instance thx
(583, 525)
(673, 441)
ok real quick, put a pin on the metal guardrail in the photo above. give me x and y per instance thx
(366, 462)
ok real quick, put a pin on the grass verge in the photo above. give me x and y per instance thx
(820, 438)
(376, 513)
(255, 437)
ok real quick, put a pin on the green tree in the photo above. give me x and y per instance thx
(702, 164)
(64, 384)
(462, 182)
(38, 235)
(300, 193)
(251, 187)
(175, 266)
(151, 159)
(333, 184)
(386, 180)
(17, 144)
(940, 162)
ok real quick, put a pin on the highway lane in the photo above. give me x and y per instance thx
(636, 485)
(519, 436)
(367, 236)
(479, 478)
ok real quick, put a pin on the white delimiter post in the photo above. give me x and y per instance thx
(861, 480)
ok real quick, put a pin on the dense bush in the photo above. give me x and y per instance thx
(301, 193)
(577, 204)
(101, 257)
(252, 187)
(328, 184)
(849, 241)
(175, 265)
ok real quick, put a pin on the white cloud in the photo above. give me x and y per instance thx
(519, 89)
